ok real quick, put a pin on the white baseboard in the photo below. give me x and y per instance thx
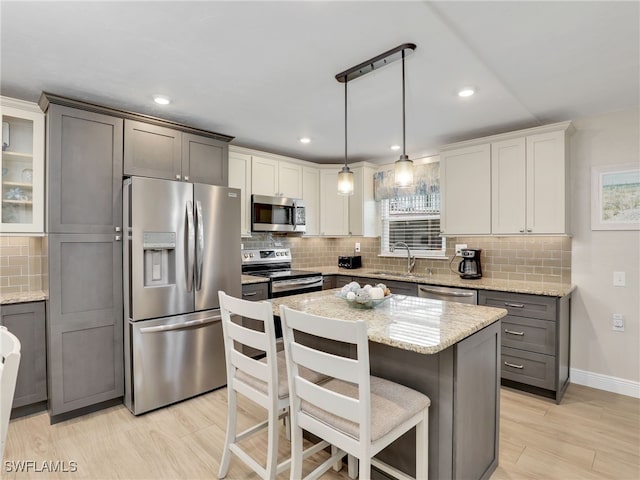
(605, 382)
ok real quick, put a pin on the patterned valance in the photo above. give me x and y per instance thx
(426, 180)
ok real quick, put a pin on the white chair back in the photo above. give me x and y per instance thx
(9, 363)
(236, 335)
(355, 412)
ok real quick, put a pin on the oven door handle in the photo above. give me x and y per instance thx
(300, 282)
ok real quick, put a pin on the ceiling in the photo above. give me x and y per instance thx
(263, 72)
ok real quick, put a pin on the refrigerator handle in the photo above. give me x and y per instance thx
(199, 244)
(191, 240)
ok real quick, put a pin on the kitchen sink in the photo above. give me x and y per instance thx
(395, 274)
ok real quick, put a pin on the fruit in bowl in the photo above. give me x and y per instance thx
(364, 297)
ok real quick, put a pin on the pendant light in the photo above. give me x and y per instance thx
(404, 166)
(345, 176)
(403, 169)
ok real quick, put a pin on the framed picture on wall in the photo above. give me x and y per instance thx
(615, 197)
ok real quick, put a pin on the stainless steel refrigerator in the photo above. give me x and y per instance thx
(182, 245)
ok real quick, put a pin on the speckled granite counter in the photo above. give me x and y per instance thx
(514, 286)
(249, 279)
(410, 323)
(23, 297)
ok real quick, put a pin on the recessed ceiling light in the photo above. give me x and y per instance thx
(395, 147)
(466, 92)
(305, 140)
(161, 100)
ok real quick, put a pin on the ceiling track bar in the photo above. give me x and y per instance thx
(376, 62)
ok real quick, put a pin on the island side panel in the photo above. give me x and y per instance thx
(432, 375)
(477, 404)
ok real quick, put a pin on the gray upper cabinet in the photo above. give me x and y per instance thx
(152, 151)
(84, 169)
(27, 322)
(161, 152)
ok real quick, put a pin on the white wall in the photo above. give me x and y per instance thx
(601, 357)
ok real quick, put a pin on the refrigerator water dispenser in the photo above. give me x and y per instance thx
(159, 258)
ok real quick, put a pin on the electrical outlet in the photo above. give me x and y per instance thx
(619, 279)
(618, 322)
(459, 247)
(242, 246)
(357, 247)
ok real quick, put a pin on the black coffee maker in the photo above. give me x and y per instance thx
(469, 266)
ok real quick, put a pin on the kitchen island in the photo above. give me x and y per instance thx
(448, 351)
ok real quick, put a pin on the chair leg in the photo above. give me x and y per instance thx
(352, 463)
(286, 420)
(422, 447)
(230, 437)
(364, 470)
(272, 447)
(296, 452)
(338, 465)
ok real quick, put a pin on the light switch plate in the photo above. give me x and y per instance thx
(619, 279)
(617, 324)
(357, 247)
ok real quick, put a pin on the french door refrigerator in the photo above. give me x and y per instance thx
(181, 247)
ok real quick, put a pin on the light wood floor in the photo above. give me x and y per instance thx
(592, 434)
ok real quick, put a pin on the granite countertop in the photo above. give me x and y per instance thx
(417, 324)
(513, 286)
(23, 297)
(249, 279)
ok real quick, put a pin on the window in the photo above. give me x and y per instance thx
(414, 220)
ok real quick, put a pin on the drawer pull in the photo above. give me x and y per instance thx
(250, 294)
(513, 365)
(514, 305)
(511, 332)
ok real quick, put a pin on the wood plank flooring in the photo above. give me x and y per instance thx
(592, 435)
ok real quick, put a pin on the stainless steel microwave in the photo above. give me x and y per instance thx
(277, 214)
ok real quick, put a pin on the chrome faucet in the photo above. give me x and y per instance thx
(411, 261)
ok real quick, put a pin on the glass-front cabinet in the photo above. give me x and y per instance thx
(22, 187)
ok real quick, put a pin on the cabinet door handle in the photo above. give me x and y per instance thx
(513, 365)
(249, 294)
(514, 305)
(522, 230)
(118, 238)
(178, 177)
(529, 230)
(186, 178)
(117, 229)
(511, 332)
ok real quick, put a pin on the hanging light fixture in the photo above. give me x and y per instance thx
(403, 169)
(404, 166)
(345, 176)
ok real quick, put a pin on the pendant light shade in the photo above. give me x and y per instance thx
(345, 181)
(403, 169)
(345, 176)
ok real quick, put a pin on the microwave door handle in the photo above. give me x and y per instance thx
(294, 216)
(191, 240)
(199, 244)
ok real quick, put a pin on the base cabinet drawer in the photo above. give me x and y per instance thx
(520, 304)
(254, 292)
(526, 367)
(529, 334)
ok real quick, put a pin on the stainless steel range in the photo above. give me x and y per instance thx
(275, 264)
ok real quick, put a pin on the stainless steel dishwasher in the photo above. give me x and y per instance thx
(448, 294)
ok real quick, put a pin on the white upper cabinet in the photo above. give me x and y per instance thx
(311, 198)
(22, 187)
(514, 183)
(334, 208)
(547, 185)
(240, 177)
(465, 176)
(508, 186)
(276, 178)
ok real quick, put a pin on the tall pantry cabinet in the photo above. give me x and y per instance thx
(84, 324)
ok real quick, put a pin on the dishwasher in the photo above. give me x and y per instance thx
(448, 294)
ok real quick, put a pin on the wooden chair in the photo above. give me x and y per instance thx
(9, 363)
(355, 412)
(262, 381)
